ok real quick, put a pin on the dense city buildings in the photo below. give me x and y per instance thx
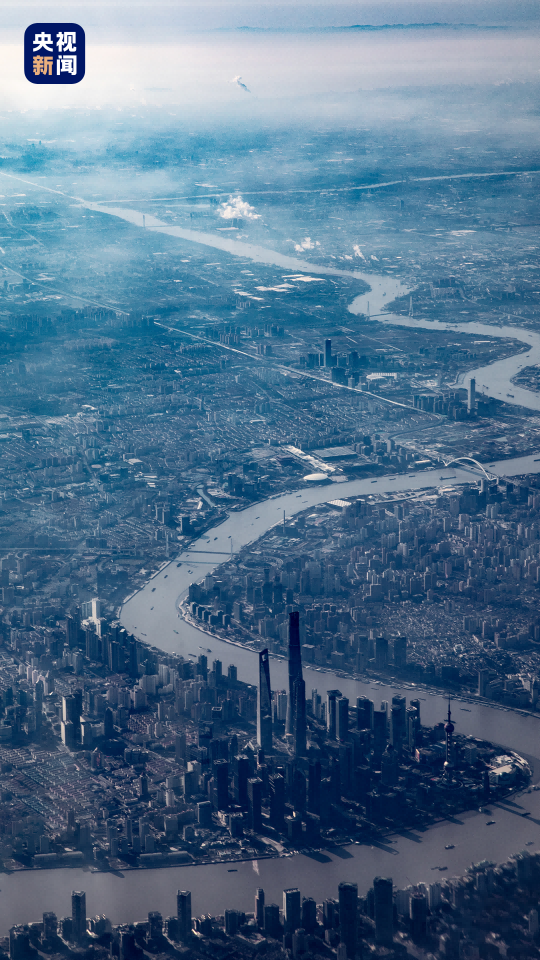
(491, 911)
(172, 761)
(440, 587)
(270, 506)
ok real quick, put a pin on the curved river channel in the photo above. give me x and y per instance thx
(151, 614)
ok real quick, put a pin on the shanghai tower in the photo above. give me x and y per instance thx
(295, 668)
(299, 730)
(264, 704)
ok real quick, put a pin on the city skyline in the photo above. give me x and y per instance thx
(270, 480)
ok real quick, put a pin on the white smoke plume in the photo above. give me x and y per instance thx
(238, 82)
(236, 207)
(358, 252)
(306, 244)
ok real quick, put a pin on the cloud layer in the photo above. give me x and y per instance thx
(236, 207)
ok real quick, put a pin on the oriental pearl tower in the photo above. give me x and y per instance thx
(448, 729)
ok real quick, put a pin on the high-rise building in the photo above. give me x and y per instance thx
(328, 353)
(331, 712)
(329, 914)
(276, 785)
(72, 631)
(309, 914)
(231, 922)
(379, 731)
(254, 789)
(155, 925)
(471, 396)
(416, 705)
(295, 667)
(78, 914)
(398, 721)
(264, 704)
(259, 908)
(240, 780)
(93, 647)
(69, 710)
(299, 730)
(19, 942)
(292, 912)
(50, 925)
(413, 729)
(183, 912)
(400, 652)
(389, 767)
(364, 713)
(180, 748)
(381, 653)
(67, 733)
(418, 914)
(348, 923)
(449, 730)
(272, 925)
(204, 815)
(383, 903)
(342, 719)
(483, 680)
(108, 724)
(280, 706)
(221, 784)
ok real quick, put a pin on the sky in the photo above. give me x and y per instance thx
(187, 53)
(135, 19)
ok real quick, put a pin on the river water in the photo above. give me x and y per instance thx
(152, 615)
(493, 380)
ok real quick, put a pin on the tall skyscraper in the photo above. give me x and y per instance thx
(398, 727)
(379, 731)
(418, 914)
(264, 704)
(78, 914)
(328, 353)
(183, 912)
(254, 787)
(277, 801)
(384, 910)
(155, 925)
(292, 910)
(221, 784)
(342, 719)
(471, 396)
(259, 908)
(309, 914)
(416, 705)
(449, 729)
(272, 926)
(299, 718)
(50, 925)
(240, 780)
(348, 922)
(381, 653)
(400, 652)
(331, 712)
(72, 631)
(364, 713)
(295, 667)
